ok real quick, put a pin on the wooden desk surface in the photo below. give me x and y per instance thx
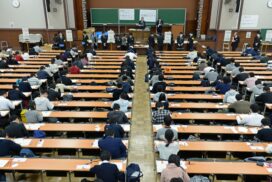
(169, 77)
(229, 168)
(81, 104)
(194, 105)
(14, 75)
(92, 95)
(204, 116)
(70, 127)
(179, 72)
(187, 89)
(194, 96)
(114, 76)
(181, 82)
(114, 71)
(212, 129)
(46, 164)
(76, 114)
(180, 67)
(212, 146)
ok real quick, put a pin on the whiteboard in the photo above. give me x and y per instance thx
(268, 36)
(249, 21)
(126, 14)
(149, 15)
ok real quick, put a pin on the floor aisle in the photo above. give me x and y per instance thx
(141, 135)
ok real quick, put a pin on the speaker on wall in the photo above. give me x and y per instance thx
(48, 5)
(237, 6)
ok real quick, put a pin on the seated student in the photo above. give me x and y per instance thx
(5, 104)
(123, 102)
(250, 82)
(230, 66)
(169, 147)
(256, 90)
(174, 170)
(130, 55)
(3, 63)
(125, 73)
(32, 80)
(42, 74)
(15, 93)
(208, 68)
(265, 97)
(235, 71)
(116, 115)
(265, 134)
(159, 114)
(126, 85)
(230, 96)
(242, 76)
(160, 82)
(202, 65)
(176, 180)
(16, 129)
(114, 145)
(48, 70)
(252, 119)
(117, 91)
(167, 125)
(128, 62)
(78, 63)
(18, 57)
(32, 115)
(8, 147)
(84, 59)
(54, 68)
(157, 95)
(223, 85)
(192, 54)
(118, 130)
(52, 94)
(60, 87)
(24, 86)
(240, 106)
(118, 41)
(74, 70)
(42, 102)
(11, 61)
(58, 60)
(212, 75)
(163, 99)
(106, 171)
(64, 79)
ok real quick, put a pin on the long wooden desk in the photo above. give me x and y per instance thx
(14, 75)
(194, 105)
(180, 82)
(114, 76)
(204, 116)
(194, 96)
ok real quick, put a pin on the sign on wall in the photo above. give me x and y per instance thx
(126, 14)
(69, 36)
(227, 36)
(268, 36)
(25, 32)
(149, 15)
(249, 21)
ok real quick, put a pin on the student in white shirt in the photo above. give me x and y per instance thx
(123, 102)
(5, 104)
(252, 119)
(42, 103)
(250, 82)
(131, 55)
(192, 54)
(208, 68)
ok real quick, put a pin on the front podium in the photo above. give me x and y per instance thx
(140, 35)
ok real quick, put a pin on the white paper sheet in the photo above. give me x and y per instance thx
(95, 144)
(126, 127)
(3, 163)
(83, 167)
(22, 141)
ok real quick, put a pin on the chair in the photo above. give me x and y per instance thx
(4, 44)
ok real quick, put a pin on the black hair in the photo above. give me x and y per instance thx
(167, 120)
(169, 135)
(257, 82)
(266, 122)
(124, 96)
(159, 104)
(237, 64)
(241, 69)
(160, 77)
(254, 108)
(116, 106)
(174, 159)
(119, 85)
(239, 97)
(160, 88)
(162, 97)
(109, 132)
(105, 155)
(176, 180)
(209, 63)
(266, 89)
(251, 74)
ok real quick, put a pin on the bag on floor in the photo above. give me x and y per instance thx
(27, 153)
(39, 134)
(199, 178)
(133, 173)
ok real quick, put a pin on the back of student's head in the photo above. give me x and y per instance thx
(32, 105)
(168, 135)
(254, 108)
(14, 86)
(251, 74)
(42, 68)
(258, 82)
(44, 92)
(233, 87)
(237, 64)
(266, 89)
(226, 80)
(57, 56)
(116, 106)
(160, 77)
(174, 159)
(241, 69)
(3, 92)
(209, 63)
(109, 132)
(232, 60)
(124, 96)
(176, 180)
(124, 78)
(159, 105)
(167, 120)
(52, 61)
(162, 97)
(239, 97)
(105, 155)
(266, 122)
(13, 117)
(119, 85)
(160, 88)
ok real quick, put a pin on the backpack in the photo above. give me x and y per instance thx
(23, 117)
(133, 173)
(68, 97)
(39, 134)
(27, 153)
(199, 178)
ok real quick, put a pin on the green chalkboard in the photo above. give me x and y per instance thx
(263, 33)
(172, 16)
(111, 16)
(104, 16)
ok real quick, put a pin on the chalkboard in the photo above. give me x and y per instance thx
(111, 16)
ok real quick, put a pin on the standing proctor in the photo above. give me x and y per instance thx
(151, 40)
(191, 42)
(235, 41)
(257, 41)
(160, 40)
(159, 25)
(104, 41)
(85, 39)
(142, 23)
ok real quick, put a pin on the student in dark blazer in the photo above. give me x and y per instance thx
(8, 147)
(130, 40)
(15, 93)
(160, 40)
(235, 42)
(180, 41)
(106, 171)
(113, 125)
(60, 40)
(104, 41)
(16, 129)
(257, 42)
(159, 25)
(151, 40)
(85, 39)
(24, 85)
(114, 145)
